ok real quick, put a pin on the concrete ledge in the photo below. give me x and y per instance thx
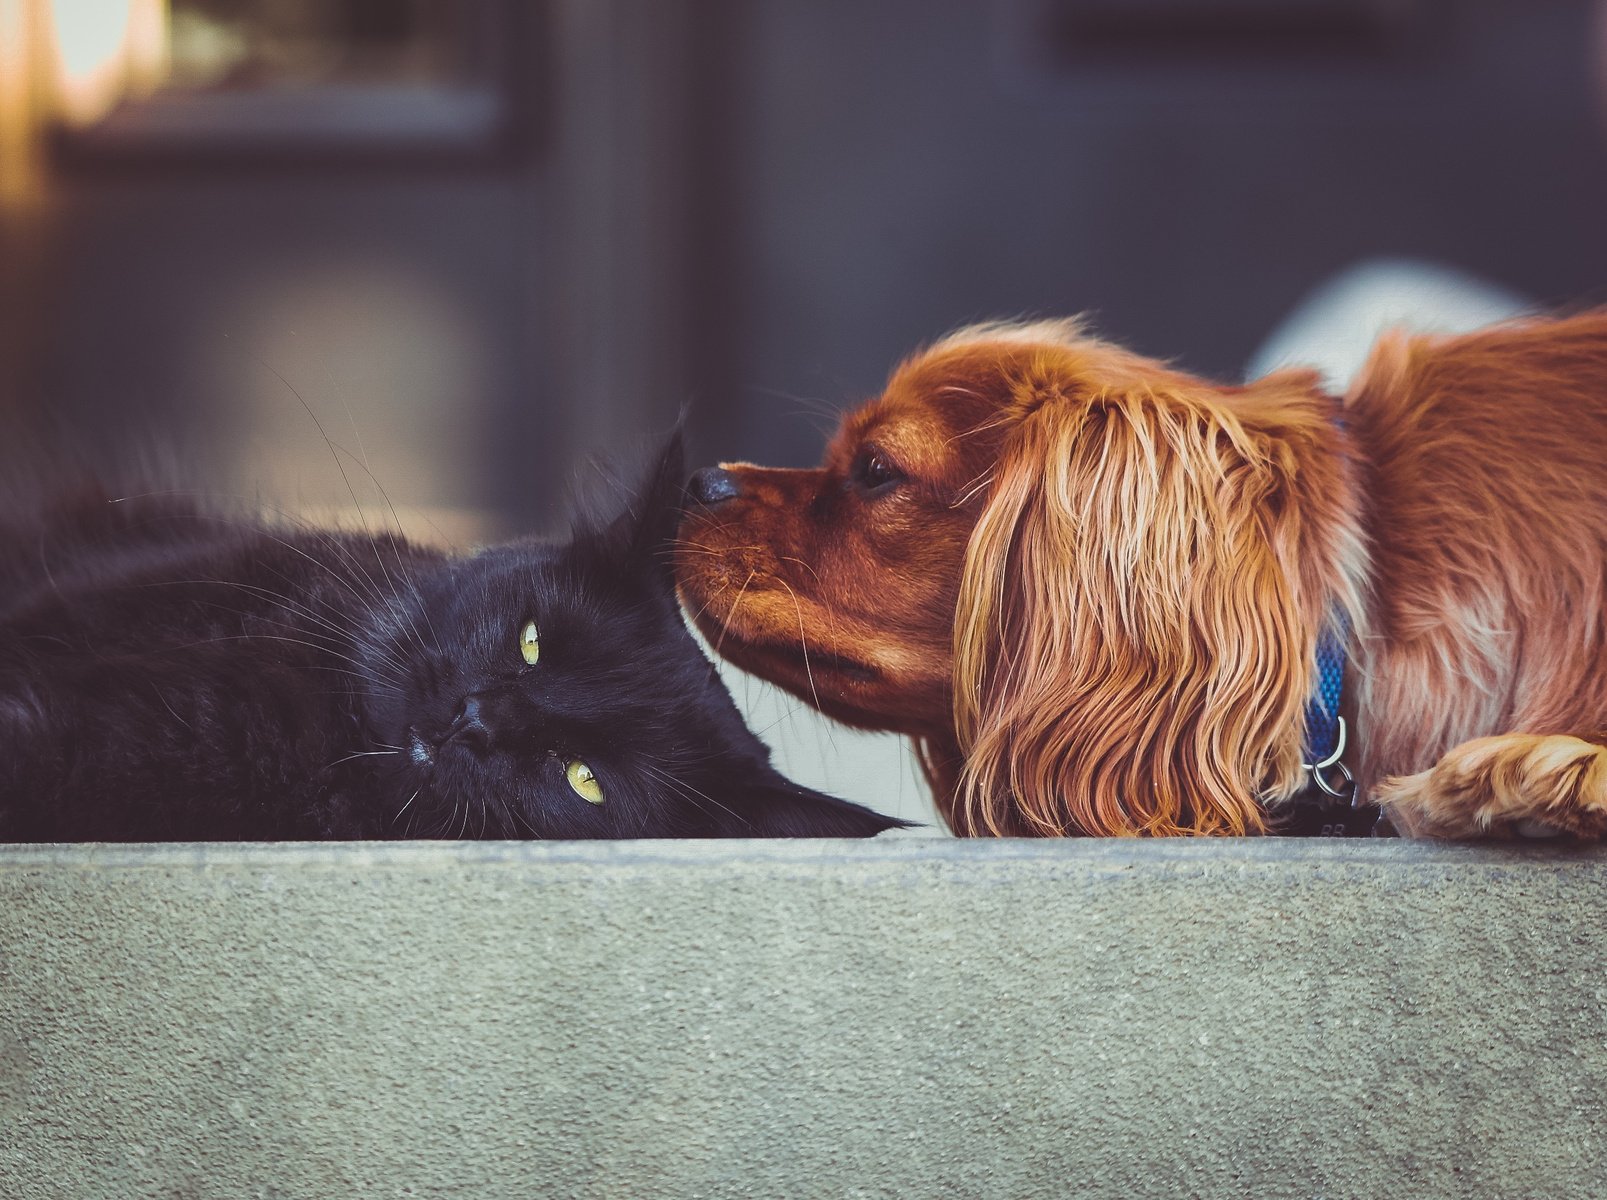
(892, 1018)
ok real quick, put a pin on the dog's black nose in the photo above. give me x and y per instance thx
(711, 485)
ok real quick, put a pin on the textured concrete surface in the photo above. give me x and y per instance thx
(883, 1019)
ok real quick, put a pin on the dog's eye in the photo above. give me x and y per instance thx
(872, 470)
(530, 643)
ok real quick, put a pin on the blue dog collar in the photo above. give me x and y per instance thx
(1325, 728)
(1329, 806)
(1324, 748)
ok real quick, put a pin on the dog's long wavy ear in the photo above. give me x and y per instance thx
(1135, 624)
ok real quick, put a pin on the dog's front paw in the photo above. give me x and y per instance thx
(1514, 785)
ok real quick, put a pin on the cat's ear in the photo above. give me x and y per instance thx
(640, 537)
(778, 808)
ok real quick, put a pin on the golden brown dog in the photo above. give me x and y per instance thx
(1091, 586)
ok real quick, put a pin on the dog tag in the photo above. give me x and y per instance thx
(1314, 813)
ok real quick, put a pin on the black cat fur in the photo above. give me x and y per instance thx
(170, 673)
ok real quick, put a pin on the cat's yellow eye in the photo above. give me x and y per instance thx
(530, 643)
(583, 781)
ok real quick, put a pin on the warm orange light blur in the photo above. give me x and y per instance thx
(20, 102)
(69, 61)
(104, 51)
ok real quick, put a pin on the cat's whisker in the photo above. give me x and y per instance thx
(334, 618)
(319, 425)
(346, 634)
(786, 716)
(684, 788)
(391, 536)
(349, 584)
(442, 823)
(374, 597)
(398, 610)
(410, 800)
(399, 606)
(328, 442)
(690, 794)
(257, 529)
(510, 816)
(377, 596)
(320, 644)
(170, 709)
(391, 690)
(369, 672)
(254, 590)
(362, 754)
(360, 584)
(379, 559)
(341, 635)
(424, 611)
(521, 819)
(362, 459)
(362, 673)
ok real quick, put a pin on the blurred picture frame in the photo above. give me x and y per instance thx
(341, 81)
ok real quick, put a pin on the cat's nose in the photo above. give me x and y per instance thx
(468, 724)
(711, 485)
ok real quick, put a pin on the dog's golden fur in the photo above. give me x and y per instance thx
(1091, 585)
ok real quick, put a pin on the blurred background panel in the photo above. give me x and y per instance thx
(477, 242)
(424, 225)
(1183, 170)
(497, 236)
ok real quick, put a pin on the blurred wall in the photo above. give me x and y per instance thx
(756, 206)
(471, 301)
(1183, 174)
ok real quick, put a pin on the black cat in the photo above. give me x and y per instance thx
(167, 673)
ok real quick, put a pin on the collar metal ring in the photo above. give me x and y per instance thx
(1347, 785)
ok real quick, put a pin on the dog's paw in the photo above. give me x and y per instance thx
(1514, 785)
